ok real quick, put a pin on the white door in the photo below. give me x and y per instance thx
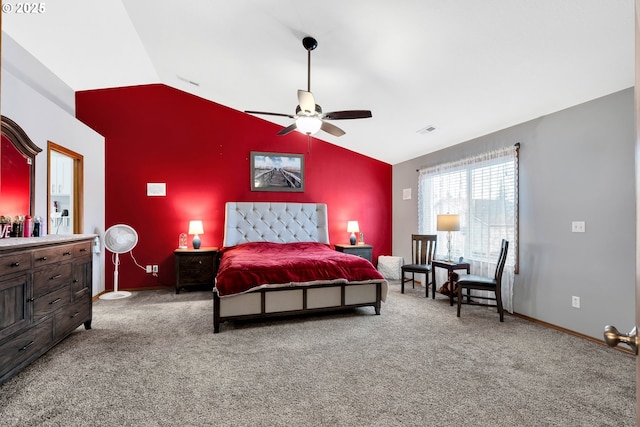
(611, 335)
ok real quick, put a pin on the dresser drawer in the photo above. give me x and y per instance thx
(14, 310)
(82, 250)
(200, 275)
(27, 345)
(48, 303)
(72, 316)
(47, 279)
(197, 261)
(52, 255)
(15, 263)
(81, 283)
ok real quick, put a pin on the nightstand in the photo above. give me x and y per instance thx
(363, 251)
(196, 268)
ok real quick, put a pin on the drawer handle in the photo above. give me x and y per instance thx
(199, 262)
(55, 301)
(31, 299)
(44, 258)
(75, 280)
(83, 250)
(15, 264)
(74, 314)
(57, 276)
(67, 253)
(27, 346)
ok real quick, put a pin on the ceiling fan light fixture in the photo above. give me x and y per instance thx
(308, 125)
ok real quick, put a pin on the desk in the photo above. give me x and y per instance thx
(450, 266)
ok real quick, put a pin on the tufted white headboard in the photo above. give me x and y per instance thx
(275, 222)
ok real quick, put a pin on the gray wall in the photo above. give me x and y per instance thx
(44, 115)
(575, 165)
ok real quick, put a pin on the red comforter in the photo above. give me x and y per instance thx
(249, 265)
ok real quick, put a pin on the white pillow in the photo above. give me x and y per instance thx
(390, 266)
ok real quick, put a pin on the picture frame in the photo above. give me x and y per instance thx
(277, 172)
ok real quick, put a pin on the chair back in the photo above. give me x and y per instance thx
(423, 247)
(502, 259)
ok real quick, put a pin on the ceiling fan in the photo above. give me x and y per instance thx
(309, 117)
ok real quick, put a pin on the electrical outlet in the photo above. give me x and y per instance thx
(578, 227)
(148, 269)
(155, 268)
(575, 302)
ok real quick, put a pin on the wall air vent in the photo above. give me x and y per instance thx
(184, 79)
(425, 130)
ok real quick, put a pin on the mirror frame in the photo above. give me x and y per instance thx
(27, 148)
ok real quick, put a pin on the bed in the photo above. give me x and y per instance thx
(276, 260)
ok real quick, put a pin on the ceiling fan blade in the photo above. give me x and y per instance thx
(349, 114)
(288, 129)
(271, 114)
(306, 101)
(331, 129)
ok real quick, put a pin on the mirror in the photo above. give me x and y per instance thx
(17, 170)
(65, 190)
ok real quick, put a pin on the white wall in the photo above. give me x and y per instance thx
(576, 164)
(45, 120)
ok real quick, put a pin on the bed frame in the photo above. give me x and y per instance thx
(285, 223)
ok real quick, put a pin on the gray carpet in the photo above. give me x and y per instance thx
(152, 360)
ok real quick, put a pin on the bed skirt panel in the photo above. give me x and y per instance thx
(270, 302)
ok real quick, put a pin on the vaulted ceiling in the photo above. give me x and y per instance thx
(464, 67)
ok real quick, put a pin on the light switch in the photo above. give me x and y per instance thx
(578, 227)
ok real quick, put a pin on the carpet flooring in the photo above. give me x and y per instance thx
(152, 360)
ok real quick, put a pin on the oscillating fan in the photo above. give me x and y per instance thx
(119, 239)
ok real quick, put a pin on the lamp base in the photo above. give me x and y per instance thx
(196, 242)
(352, 239)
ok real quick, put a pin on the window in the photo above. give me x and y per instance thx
(483, 190)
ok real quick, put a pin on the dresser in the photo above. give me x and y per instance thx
(196, 268)
(363, 251)
(45, 294)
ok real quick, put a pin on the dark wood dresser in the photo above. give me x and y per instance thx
(363, 251)
(45, 293)
(196, 268)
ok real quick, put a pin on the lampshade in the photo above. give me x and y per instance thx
(352, 227)
(308, 125)
(195, 227)
(448, 222)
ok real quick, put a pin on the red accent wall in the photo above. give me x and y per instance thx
(201, 150)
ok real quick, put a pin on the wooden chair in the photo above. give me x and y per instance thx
(483, 283)
(423, 247)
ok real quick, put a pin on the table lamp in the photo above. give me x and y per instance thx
(448, 223)
(195, 228)
(352, 227)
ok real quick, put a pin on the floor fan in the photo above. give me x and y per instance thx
(119, 239)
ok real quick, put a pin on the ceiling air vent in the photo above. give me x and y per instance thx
(425, 130)
(184, 79)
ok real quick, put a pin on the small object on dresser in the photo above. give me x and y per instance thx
(182, 241)
(353, 228)
(361, 238)
(36, 226)
(196, 228)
